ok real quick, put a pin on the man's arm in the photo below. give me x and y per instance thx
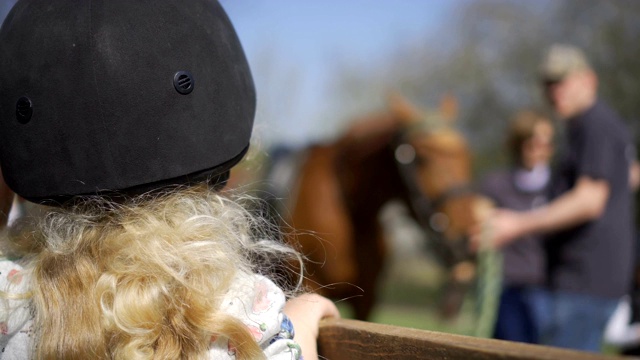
(586, 201)
(634, 175)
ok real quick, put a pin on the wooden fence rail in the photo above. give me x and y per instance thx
(343, 339)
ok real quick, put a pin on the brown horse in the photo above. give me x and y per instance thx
(405, 154)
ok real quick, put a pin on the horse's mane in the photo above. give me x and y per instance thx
(368, 134)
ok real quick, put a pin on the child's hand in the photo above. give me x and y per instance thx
(305, 312)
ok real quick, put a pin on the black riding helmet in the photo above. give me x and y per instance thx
(124, 96)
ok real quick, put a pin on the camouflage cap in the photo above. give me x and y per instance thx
(561, 60)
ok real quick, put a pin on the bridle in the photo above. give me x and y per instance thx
(427, 209)
(487, 268)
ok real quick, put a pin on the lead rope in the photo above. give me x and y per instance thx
(489, 284)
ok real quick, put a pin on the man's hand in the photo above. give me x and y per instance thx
(497, 229)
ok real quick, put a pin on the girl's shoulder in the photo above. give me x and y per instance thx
(258, 302)
(16, 317)
(13, 276)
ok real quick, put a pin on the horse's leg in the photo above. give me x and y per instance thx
(370, 255)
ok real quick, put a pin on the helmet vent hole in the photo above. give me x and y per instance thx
(24, 110)
(183, 82)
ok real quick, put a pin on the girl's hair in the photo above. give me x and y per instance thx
(521, 129)
(143, 279)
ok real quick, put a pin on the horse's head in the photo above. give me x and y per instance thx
(435, 165)
(401, 153)
(418, 155)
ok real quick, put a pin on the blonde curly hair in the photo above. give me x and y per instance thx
(143, 278)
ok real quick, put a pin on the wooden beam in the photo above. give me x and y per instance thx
(343, 339)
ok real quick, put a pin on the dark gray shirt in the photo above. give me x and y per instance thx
(524, 260)
(596, 258)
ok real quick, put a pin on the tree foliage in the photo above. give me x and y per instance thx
(488, 53)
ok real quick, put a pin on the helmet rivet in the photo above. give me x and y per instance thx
(183, 82)
(24, 110)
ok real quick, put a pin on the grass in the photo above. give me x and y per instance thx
(408, 297)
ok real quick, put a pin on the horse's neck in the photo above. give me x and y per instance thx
(368, 175)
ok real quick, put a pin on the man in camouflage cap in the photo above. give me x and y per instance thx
(590, 218)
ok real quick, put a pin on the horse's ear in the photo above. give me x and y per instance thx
(403, 110)
(449, 107)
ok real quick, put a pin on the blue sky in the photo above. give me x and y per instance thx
(5, 6)
(311, 30)
(304, 40)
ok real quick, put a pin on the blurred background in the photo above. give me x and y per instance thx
(319, 64)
